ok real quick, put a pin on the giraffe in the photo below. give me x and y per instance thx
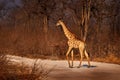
(73, 42)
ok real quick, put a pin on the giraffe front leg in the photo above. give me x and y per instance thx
(72, 56)
(67, 56)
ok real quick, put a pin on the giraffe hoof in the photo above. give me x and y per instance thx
(78, 67)
(88, 66)
(70, 66)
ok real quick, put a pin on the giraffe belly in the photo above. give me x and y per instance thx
(73, 44)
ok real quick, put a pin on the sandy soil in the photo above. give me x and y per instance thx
(60, 70)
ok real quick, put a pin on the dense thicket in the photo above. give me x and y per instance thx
(29, 27)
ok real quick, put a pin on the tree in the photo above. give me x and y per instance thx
(85, 17)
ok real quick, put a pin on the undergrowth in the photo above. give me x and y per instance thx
(10, 71)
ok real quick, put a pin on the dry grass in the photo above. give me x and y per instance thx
(109, 59)
(9, 71)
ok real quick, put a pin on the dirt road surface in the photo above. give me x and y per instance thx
(60, 70)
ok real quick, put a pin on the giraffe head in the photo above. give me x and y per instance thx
(59, 23)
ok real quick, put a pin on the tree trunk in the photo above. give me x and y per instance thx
(85, 18)
(45, 27)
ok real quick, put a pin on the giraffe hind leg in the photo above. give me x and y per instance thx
(81, 57)
(87, 56)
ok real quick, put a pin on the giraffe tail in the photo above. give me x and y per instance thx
(85, 49)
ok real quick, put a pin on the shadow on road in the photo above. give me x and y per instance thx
(92, 66)
(85, 66)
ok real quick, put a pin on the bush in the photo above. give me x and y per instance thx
(111, 58)
(9, 71)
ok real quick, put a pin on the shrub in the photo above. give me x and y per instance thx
(10, 71)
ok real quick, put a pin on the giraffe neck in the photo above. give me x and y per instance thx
(67, 33)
